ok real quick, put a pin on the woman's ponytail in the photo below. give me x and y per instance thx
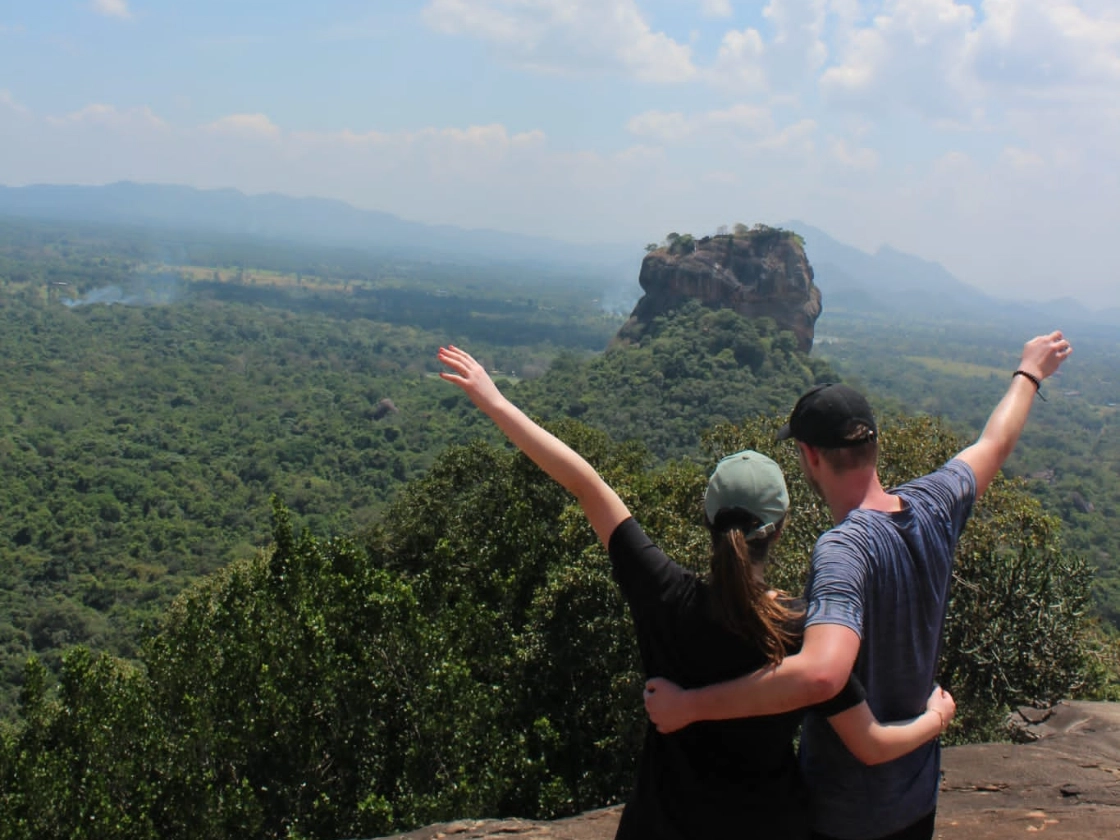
(742, 603)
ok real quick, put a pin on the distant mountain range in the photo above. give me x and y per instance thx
(892, 282)
(319, 221)
(888, 281)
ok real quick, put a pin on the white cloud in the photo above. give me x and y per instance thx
(100, 114)
(346, 138)
(739, 62)
(716, 8)
(853, 157)
(8, 101)
(938, 58)
(1021, 159)
(974, 133)
(796, 139)
(1034, 46)
(944, 58)
(752, 119)
(568, 36)
(847, 12)
(112, 8)
(798, 46)
(488, 139)
(952, 161)
(527, 139)
(243, 125)
(747, 61)
(742, 121)
(640, 156)
(912, 56)
(480, 136)
(743, 130)
(668, 127)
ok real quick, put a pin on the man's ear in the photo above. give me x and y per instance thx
(811, 453)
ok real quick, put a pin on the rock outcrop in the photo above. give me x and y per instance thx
(761, 272)
(1064, 782)
(383, 408)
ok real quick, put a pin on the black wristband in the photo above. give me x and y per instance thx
(1037, 382)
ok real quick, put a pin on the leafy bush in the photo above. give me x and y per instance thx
(468, 656)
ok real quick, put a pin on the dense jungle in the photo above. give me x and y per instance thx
(265, 574)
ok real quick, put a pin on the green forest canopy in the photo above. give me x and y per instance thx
(302, 682)
(467, 656)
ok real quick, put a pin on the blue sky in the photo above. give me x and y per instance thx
(983, 135)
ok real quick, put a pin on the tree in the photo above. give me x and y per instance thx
(81, 765)
(681, 245)
(469, 655)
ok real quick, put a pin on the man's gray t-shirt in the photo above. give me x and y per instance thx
(886, 576)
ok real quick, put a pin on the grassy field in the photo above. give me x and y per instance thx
(254, 277)
(966, 369)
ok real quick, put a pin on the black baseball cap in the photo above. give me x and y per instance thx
(829, 416)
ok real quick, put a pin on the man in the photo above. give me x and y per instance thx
(877, 596)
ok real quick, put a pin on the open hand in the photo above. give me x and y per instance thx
(469, 375)
(667, 705)
(1043, 354)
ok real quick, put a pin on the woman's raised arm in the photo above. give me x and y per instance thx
(602, 506)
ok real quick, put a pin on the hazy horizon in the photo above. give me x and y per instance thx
(983, 136)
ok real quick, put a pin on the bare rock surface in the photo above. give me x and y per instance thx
(761, 273)
(1063, 783)
(593, 825)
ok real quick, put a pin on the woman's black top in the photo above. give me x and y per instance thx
(734, 778)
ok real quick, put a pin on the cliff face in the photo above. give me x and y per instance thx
(760, 273)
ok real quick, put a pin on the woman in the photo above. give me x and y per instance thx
(711, 779)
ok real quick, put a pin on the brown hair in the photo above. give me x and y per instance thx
(856, 456)
(741, 602)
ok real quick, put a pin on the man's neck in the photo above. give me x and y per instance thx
(861, 489)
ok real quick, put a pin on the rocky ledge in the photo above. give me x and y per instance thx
(1064, 781)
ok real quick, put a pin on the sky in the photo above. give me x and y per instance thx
(983, 135)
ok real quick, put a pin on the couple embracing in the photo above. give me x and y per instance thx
(734, 668)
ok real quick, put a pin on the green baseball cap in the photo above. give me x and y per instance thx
(747, 481)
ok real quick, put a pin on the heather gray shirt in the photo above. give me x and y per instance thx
(886, 576)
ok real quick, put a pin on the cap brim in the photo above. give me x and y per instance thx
(785, 433)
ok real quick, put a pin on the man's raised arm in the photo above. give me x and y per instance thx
(812, 676)
(1041, 358)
